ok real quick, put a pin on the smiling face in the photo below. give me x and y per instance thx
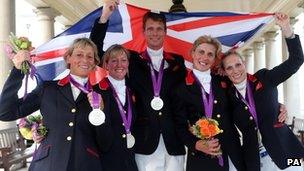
(154, 33)
(205, 52)
(234, 68)
(203, 56)
(117, 63)
(81, 61)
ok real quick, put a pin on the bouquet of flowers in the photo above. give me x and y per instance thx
(21, 43)
(16, 44)
(206, 128)
(32, 128)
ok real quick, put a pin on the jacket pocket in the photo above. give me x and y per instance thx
(41, 153)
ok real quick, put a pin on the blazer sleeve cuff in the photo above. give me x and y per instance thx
(16, 74)
(192, 143)
(100, 26)
(294, 38)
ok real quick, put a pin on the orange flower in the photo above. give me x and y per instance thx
(203, 123)
(205, 132)
(212, 129)
(206, 128)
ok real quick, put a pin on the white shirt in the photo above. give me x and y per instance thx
(204, 77)
(81, 81)
(120, 88)
(156, 58)
(241, 87)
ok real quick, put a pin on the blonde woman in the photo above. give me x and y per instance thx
(70, 143)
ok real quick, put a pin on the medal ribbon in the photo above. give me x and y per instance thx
(208, 102)
(126, 119)
(157, 82)
(86, 90)
(208, 106)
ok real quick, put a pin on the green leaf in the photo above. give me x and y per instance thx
(24, 45)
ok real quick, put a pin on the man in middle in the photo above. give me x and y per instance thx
(152, 75)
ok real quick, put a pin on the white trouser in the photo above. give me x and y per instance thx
(231, 165)
(160, 160)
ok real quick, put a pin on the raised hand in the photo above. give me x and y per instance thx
(283, 21)
(107, 10)
(22, 55)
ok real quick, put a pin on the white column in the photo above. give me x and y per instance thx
(273, 57)
(248, 57)
(45, 16)
(259, 55)
(270, 49)
(291, 87)
(7, 25)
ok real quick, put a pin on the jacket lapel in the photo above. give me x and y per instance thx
(81, 96)
(195, 91)
(65, 89)
(192, 84)
(253, 84)
(144, 60)
(233, 94)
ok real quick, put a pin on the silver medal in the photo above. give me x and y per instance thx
(157, 103)
(130, 140)
(97, 117)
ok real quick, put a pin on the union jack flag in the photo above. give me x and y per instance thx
(125, 27)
